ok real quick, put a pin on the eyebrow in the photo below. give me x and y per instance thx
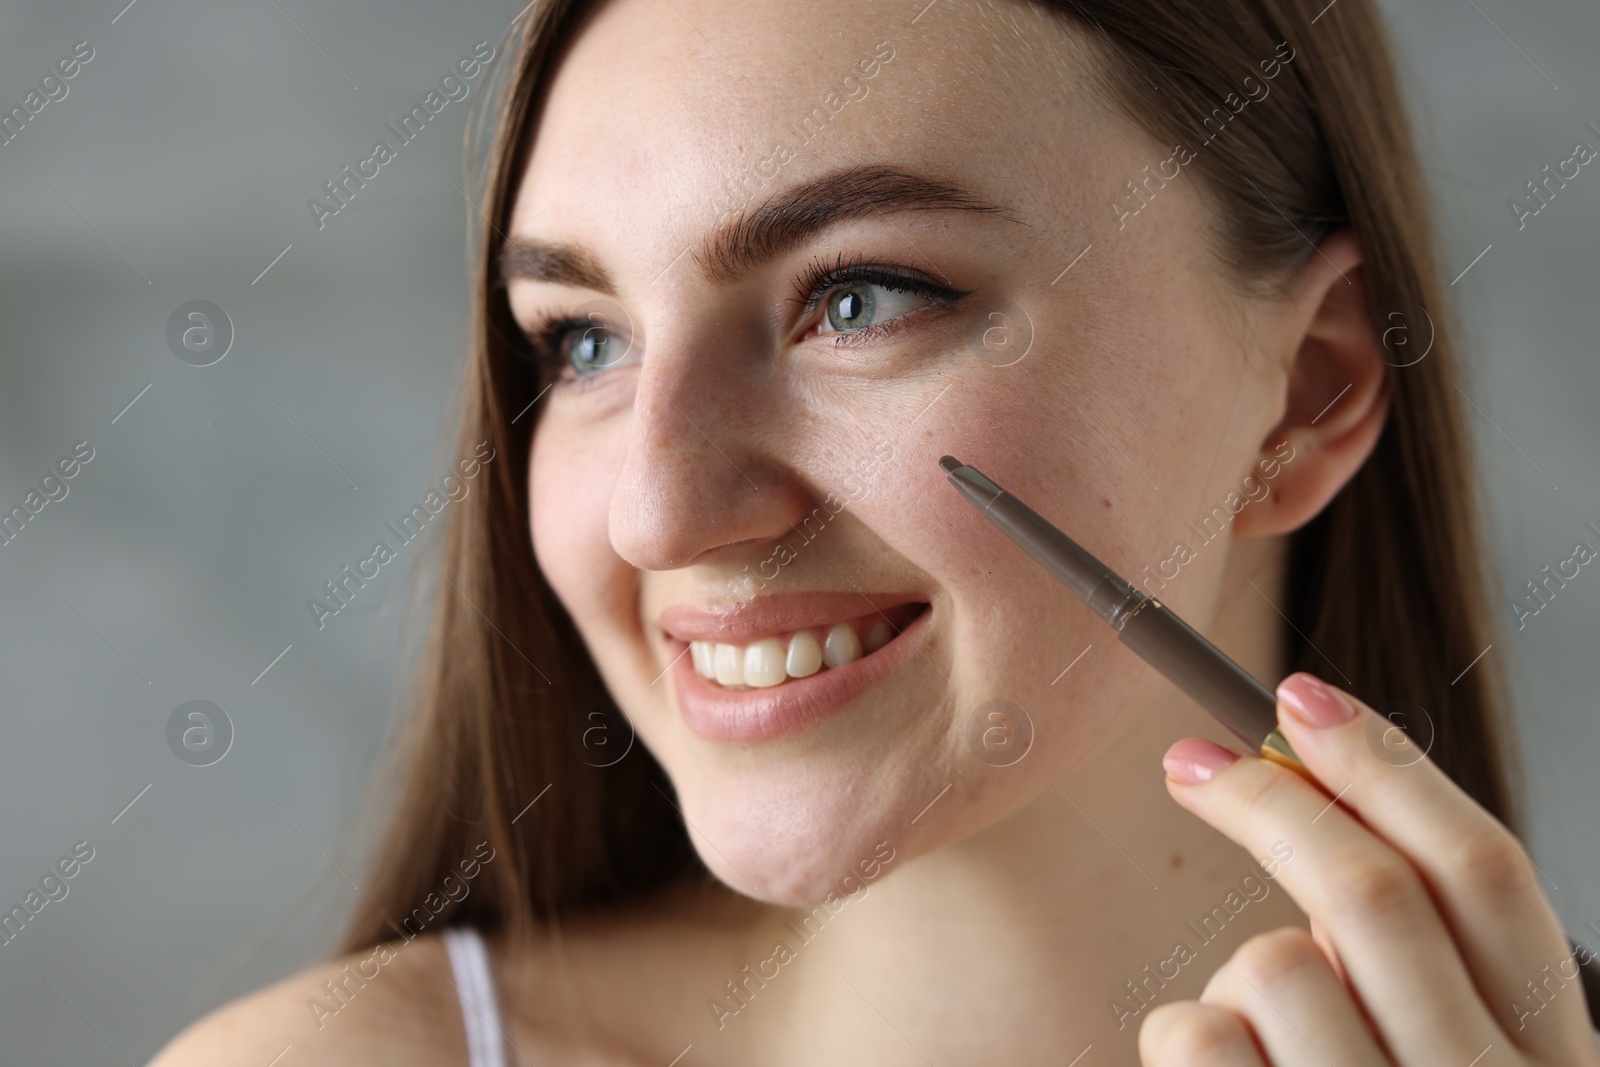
(778, 224)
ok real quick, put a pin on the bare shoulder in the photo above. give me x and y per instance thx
(391, 1004)
(613, 988)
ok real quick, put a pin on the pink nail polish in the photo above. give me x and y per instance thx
(1314, 702)
(1194, 760)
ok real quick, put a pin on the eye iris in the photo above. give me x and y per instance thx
(850, 308)
(590, 350)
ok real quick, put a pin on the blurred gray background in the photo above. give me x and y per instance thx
(178, 566)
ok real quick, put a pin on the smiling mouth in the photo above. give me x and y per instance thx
(774, 659)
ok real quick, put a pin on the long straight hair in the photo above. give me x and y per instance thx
(1386, 587)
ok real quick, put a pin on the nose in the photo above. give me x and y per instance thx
(708, 471)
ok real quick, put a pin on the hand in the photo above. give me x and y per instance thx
(1428, 918)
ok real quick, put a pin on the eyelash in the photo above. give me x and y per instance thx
(817, 280)
(544, 339)
(813, 283)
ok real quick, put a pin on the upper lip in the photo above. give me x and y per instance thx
(764, 616)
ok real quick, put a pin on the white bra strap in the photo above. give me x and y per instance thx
(474, 982)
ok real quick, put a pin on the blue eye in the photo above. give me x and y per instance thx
(862, 300)
(578, 346)
(592, 348)
(866, 304)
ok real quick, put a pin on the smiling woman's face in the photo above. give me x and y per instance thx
(737, 461)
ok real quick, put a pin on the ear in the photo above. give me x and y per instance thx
(1336, 392)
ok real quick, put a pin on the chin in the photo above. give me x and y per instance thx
(798, 844)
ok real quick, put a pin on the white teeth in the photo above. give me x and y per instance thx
(763, 663)
(729, 664)
(771, 661)
(805, 655)
(878, 636)
(842, 645)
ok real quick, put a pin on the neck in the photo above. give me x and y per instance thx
(1054, 930)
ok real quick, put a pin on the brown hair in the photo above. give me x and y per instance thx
(1386, 583)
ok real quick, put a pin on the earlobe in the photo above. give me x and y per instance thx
(1335, 393)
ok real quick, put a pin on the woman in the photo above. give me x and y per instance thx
(748, 271)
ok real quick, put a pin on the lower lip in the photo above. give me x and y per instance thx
(719, 714)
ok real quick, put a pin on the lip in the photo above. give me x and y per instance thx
(773, 615)
(719, 714)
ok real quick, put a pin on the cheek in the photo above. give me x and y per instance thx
(1073, 430)
(569, 494)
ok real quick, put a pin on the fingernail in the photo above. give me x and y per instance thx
(1194, 760)
(1314, 702)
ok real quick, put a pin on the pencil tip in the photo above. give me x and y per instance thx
(950, 463)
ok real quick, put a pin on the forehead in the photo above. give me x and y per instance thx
(664, 115)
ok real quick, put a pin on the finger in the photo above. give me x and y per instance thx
(1285, 988)
(1373, 904)
(1186, 1034)
(1325, 943)
(1487, 888)
(1331, 953)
